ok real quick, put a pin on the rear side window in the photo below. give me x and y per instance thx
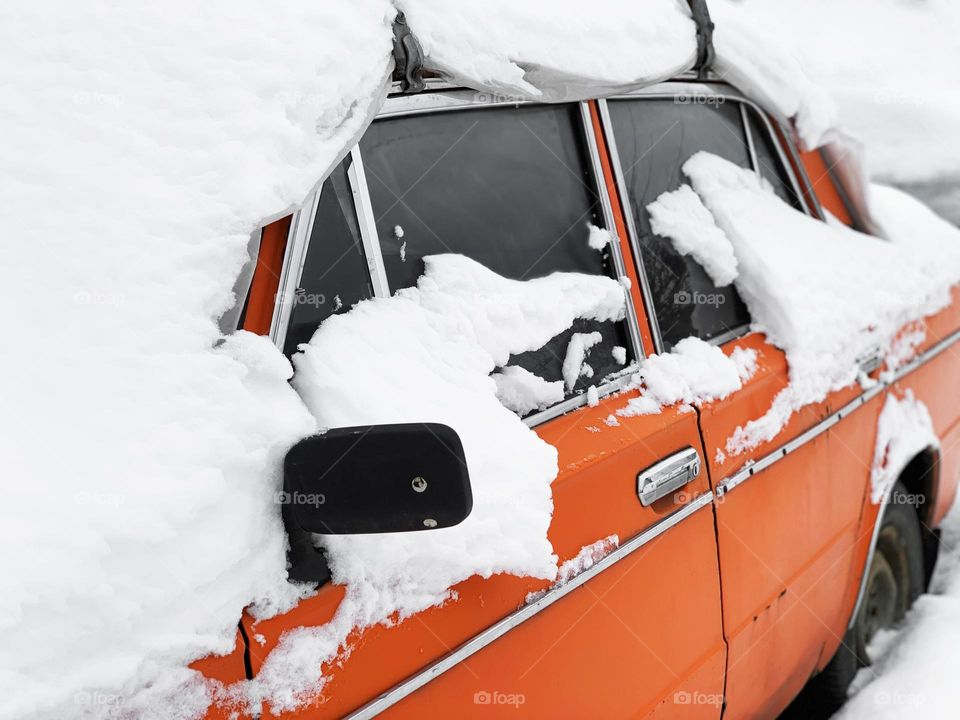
(510, 187)
(654, 139)
(334, 275)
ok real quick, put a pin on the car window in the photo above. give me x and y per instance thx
(769, 164)
(654, 138)
(510, 187)
(335, 275)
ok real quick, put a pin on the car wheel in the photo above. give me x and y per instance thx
(895, 579)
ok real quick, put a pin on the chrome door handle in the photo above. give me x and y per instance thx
(670, 474)
(870, 360)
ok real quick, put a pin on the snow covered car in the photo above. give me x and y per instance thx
(724, 540)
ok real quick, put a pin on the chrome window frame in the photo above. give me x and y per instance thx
(671, 90)
(441, 97)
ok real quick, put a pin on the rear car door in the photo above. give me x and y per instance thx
(634, 633)
(786, 528)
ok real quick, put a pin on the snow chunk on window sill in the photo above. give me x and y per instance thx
(523, 392)
(694, 373)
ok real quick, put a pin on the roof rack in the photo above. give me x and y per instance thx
(407, 57)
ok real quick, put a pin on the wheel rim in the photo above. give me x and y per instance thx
(888, 589)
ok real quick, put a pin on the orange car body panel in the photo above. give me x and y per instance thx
(678, 646)
(740, 603)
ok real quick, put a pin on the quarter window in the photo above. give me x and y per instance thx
(335, 275)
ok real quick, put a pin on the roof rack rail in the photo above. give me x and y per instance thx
(705, 51)
(407, 57)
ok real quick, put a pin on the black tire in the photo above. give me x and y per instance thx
(895, 580)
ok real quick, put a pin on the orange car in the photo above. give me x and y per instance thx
(735, 583)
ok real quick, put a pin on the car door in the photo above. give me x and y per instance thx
(634, 628)
(785, 526)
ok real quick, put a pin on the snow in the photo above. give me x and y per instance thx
(142, 146)
(523, 392)
(553, 49)
(681, 216)
(890, 70)
(598, 239)
(806, 285)
(914, 667)
(593, 396)
(750, 56)
(694, 373)
(619, 354)
(586, 558)
(444, 338)
(904, 430)
(573, 361)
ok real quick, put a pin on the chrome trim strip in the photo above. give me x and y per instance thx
(616, 255)
(748, 132)
(501, 628)
(577, 401)
(885, 381)
(368, 225)
(296, 254)
(627, 206)
(731, 334)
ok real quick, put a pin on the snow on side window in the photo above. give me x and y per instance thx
(511, 188)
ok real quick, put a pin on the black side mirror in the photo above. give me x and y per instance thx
(377, 479)
(371, 479)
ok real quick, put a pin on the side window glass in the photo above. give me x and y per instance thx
(335, 275)
(510, 187)
(769, 164)
(654, 138)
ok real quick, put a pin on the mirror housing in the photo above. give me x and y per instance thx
(377, 479)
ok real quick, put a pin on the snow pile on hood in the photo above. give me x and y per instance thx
(903, 431)
(425, 355)
(141, 149)
(694, 373)
(826, 295)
